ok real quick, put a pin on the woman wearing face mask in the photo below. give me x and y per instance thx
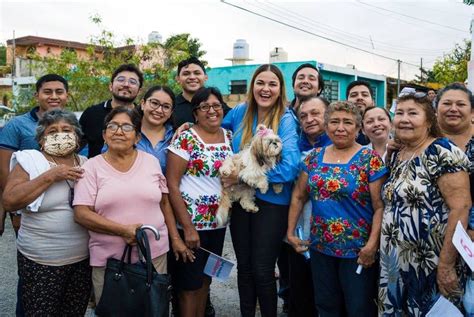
(376, 123)
(52, 249)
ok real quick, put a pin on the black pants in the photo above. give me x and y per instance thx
(257, 240)
(301, 301)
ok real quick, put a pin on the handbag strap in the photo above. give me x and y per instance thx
(144, 248)
(127, 251)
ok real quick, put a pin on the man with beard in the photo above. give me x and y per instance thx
(191, 75)
(360, 93)
(124, 85)
(307, 83)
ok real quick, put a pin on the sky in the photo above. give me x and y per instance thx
(308, 30)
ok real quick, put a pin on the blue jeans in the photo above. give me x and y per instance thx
(339, 291)
(257, 240)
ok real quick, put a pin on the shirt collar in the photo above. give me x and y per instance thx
(34, 113)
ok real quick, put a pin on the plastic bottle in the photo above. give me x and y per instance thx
(299, 234)
(468, 298)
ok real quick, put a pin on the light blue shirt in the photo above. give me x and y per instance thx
(20, 132)
(161, 149)
(287, 169)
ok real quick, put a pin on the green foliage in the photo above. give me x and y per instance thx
(453, 66)
(89, 76)
(426, 76)
(3, 54)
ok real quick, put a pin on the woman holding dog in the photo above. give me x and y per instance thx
(256, 236)
(194, 159)
(344, 181)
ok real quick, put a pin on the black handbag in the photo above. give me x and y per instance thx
(134, 289)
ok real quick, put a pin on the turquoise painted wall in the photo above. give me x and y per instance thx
(221, 78)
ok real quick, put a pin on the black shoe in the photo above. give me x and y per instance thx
(210, 311)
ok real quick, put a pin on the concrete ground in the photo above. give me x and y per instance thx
(224, 295)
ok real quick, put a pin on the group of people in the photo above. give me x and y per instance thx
(377, 195)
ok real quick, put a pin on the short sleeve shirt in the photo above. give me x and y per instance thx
(20, 132)
(342, 208)
(124, 197)
(201, 185)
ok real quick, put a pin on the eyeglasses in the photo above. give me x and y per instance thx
(155, 104)
(126, 127)
(204, 107)
(130, 81)
(416, 94)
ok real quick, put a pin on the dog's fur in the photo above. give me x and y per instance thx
(251, 164)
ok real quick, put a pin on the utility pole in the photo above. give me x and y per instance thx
(421, 69)
(470, 67)
(398, 79)
(14, 90)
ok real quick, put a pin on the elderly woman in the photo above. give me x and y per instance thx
(256, 236)
(52, 248)
(343, 182)
(157, 130)
(426, 194)
(455, 105)
(122, 189)
(194, 159)
(377, 125)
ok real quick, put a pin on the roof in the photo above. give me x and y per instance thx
(37, 40)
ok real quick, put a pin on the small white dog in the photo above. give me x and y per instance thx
(251, 164)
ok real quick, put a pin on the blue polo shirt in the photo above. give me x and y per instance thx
(20, 132)
(161, 149)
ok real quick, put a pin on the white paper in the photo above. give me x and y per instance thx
(444, 308)
(218, 267)
(464, 245)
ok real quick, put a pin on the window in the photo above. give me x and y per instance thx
(331, 90)
(238, 87)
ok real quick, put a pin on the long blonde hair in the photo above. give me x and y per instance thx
(272, 120)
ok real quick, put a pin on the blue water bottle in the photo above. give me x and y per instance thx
(299, 234)
(468, 298)
(471, 218)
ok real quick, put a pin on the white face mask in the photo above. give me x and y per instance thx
(60, 143)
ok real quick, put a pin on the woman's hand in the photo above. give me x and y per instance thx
(185, 126)
(180, 249)
(447, 279)
(191, 238)
(64, 172)
(129, 233)
(299, 245)
(232, 179)
(367, 256)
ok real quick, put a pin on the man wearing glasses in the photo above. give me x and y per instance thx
(124, 85)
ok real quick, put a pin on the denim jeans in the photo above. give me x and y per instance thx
(339, 291)
(257, 240)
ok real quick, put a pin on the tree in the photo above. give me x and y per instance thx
(89, 77)
(3, 54)
(453, 66)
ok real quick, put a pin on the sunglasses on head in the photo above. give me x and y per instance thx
(416, 94)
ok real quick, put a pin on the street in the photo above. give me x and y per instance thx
(224, 294)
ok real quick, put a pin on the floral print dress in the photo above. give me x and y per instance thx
(201, 185)
(413, 229)
(341, 204)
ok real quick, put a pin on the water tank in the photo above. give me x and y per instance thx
(278, 54)
(154, 37)
(241, 49)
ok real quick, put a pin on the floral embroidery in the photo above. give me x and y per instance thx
(201, 186)
(342, 209)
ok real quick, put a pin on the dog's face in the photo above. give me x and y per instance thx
(266, 146)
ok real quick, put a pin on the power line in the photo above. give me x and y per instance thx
(412, 17)
(315, 34)
(390, 47)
